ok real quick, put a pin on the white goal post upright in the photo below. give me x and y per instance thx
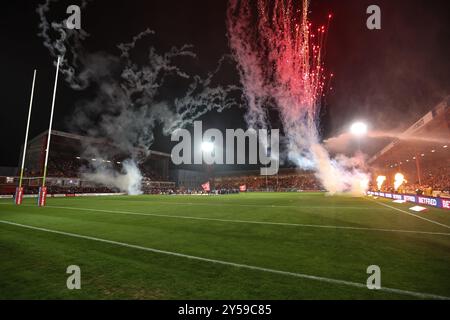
(19, 191)
(43, 189)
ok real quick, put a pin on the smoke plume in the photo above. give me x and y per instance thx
(128, 101)
(129, 180)
(279, 56)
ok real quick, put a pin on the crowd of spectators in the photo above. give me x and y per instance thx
(435, 180)
(34, 190)
(288, 182)
(72, 168)
(64, 168)
(200, 191)
(152, 174)
(60, 170)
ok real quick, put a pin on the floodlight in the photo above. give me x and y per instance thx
(358, 129)
(207, 147)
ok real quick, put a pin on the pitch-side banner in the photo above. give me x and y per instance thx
(441, 203)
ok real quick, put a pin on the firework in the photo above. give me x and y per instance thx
(279, 53)
(280, 61)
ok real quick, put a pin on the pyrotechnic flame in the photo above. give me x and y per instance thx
(380, 181)
(399, 180)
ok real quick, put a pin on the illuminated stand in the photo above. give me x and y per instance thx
(19, 190)
(43, 189)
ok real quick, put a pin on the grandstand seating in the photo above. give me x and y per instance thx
(289, 181)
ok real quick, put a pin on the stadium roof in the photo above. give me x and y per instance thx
(429, 136)
(86, 138)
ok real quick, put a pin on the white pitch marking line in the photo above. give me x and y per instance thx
(414, 215)
(250, 221)
(232, 264)
(247, 205)
(255, 205)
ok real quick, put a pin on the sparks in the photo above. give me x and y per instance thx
(279, 54)
(284, 50)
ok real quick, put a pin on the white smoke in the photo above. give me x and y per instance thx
(64, 43)
(128, 103)
(341, 174)
(129, 180)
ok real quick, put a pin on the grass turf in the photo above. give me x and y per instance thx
(33, 262)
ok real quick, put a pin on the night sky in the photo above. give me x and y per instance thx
(387, 77)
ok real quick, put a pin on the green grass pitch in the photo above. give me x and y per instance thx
(246, 246)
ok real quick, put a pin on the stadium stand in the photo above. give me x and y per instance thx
(286, 180)
(421, 154)
(69, 156)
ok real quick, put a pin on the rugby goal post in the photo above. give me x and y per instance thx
(19, 190)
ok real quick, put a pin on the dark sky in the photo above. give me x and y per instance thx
(389, 77)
